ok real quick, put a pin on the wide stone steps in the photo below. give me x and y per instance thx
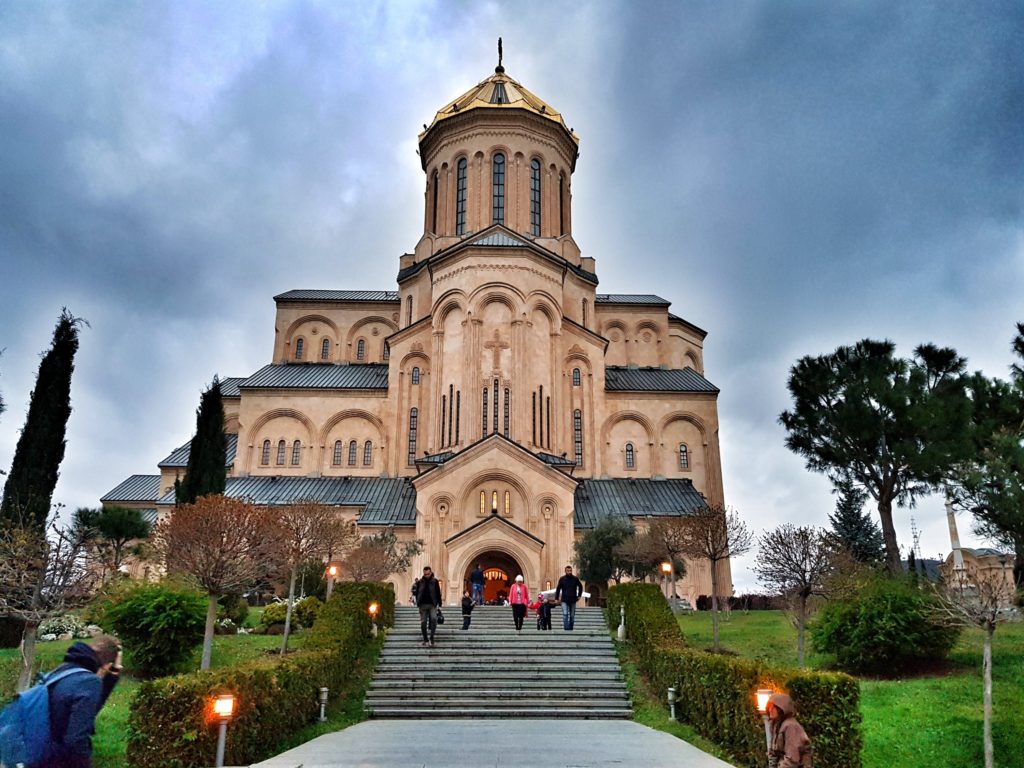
(493, 671)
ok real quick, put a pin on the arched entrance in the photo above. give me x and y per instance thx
(500, 571)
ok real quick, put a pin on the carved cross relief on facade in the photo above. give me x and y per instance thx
(496, 345)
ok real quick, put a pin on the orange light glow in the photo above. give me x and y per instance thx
(666, 568)
(332, 571)
(762, 699)
(224, 706)
(373, 609)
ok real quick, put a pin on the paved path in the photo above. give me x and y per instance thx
(495, 744)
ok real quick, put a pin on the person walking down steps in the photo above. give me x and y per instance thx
(467, 609)
(519, 598)
(428, 600)
(568, 592)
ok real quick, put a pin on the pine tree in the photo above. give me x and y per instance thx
(35, 468)
(207, 459)
(853, 527)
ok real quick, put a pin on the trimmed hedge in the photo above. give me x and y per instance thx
(716, 693)
(170, 724)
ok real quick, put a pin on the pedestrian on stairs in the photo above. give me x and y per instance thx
(467, 609)
(569, 591)
(428, 600)
(519, 598)
(476, 581)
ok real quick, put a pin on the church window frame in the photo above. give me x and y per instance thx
(586, 307)
(484, 426)
(483, 503)
(339, 451)
(630, 456)
(535, 197)
(265, 456)
(451, 413)
(296, 453)
(299, 347)
(385, 354)
(325, 349)
(495, 423)
(353, 448)
(408, 310)
(415, 376)
(368, 453)
(361, 349)
(461, 174)
(494, 502)
(458, 414)
(434, 182)
(576, 377)
(280, 453)
(414, 416)
(561, 202)
(508, 410)
(577, 435)
(684, 456)
(498, 168)
(508, 504)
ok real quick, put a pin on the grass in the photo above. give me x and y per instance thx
(927, 721)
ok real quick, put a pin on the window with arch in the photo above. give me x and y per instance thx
(367, 453)
(484, 427)
(535, 197)
(460, 197)
(575, 377)
(325, 349)
(416, 375)
(577, 436)
(585, 313)
(630, 456)
(414, 415)
(280, 453)
(684, 456)
(498, 189)
(338, 450)
(508, 503)
(385, 355)
(483, 503)
(361, 349)
(265, 457)
(561, 203)
(299, 344)
(508, 409)
(408, 310)
(433, 193)
(352, 453)
(296, 453)
(494, 502)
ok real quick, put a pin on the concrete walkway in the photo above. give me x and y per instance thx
(495, 744)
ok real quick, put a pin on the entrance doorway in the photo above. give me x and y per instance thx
(500, 571)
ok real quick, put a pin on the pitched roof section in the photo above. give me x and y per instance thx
(486, 520)
(324, 295)
(135, 488)
(319, 376)
(384, 500)
(634, 497)
(630, 298)
(229, 387)
(179, 456)
(500, 240)
(623, 379)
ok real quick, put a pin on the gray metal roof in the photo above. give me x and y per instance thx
(179, 456)
(320, 376)
(634, 497)
(624, 379)
(630, 298)
(688, 324)
(135, 488)
(303, 294)
(384, 500)
(500, 240)
(149, 516)
(229, 387)
(555, 461)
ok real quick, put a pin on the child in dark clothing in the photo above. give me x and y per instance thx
(467, 609)
(544, 614)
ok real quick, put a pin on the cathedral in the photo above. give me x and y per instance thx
(495, 404)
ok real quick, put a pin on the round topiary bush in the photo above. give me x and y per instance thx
(274, 614)
(889, 627)
(306, 611)
(160, 624)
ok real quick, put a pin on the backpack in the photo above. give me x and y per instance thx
(25, 723)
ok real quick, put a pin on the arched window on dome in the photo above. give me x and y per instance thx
(630, 456)
(416, 375)
(585, 313)
(413, 420)
(352, 448)
(577, 436)
(684, 456)
(498, 189)
(494, 502)
(299, 344)
(367, 453)
(561, 203)
(296, 453)
(483, 503)
(361, 349)
(408, 310)
(433, 206)
(460, 197)
(325, 349)
(338, 449)
(280, 453)
(535, 197)
(508, 504)
(265, 456)
(575, 377)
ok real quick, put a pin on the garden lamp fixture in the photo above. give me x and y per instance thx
(224, 710)
(621, 634)
(673, 696)
(666, 568)
(762, 696)
(322, 698)
(332, 574)
(373, 610)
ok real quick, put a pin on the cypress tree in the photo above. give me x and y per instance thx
(208, 455)
(35, 468)
(853, 528)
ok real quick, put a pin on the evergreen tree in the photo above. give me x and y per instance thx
(853, 528)
(595, 550)
(208, 455)
(912, 566)
(40, 450)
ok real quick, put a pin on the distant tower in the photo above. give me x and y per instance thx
(916, 535)
(954, 537)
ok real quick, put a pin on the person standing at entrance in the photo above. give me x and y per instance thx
(476, 581)
(569, 591)
(519, 598)
(428, 600)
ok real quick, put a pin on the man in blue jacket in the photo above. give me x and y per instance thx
(76, 700)
(568, 591)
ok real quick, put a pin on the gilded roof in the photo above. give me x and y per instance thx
(499, 91)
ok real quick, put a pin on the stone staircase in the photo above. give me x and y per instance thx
(492, 671)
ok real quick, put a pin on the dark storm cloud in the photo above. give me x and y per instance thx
(791, 176)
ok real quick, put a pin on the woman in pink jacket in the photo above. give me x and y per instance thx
(519, 598)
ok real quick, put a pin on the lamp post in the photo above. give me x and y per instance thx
(373, 610)
(666, 569)
(322, 698)
(621, 636)
(673, 696)
(224, 709)
(763, 694)
(332, 573)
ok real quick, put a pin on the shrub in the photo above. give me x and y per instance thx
(306, 610)
(60, 625)
(703, 603)
(234, 607)
(887, 627)
(275, 613)
(160, 625)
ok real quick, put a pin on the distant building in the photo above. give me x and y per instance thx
(981, 564)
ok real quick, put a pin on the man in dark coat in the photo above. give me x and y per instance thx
(568, 591)
(476, 581)
(428, 600)
(77, 699)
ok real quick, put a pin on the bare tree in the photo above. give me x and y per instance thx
(796, 562)
(309, 530)
(715, 534)
(668, 538)
(222, 544)
(981, 598)
(637, 557)
(381, 555)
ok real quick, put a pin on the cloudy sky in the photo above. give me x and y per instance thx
(791, 175)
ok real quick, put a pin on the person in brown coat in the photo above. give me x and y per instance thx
(790, 746)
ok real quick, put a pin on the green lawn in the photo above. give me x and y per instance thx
(922, 722)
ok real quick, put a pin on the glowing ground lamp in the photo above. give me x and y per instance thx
(762, 696)
(332, 574)
(673, 697)
(373, 610)
(223, 710)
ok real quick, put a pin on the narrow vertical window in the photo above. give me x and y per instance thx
(460, 197)
(630, 457)
(494, 502)
(433, 193)
(458, 414)
(444, 416)
(265, 457)
(577, 436)
(299, 344)
(533, 416)
(540, 399)
(280, 453)
(367, 453)
(352, 453)
(498, 189)
(385, 355)
(451, 411)
(585, 318)
(361, 349)
(547, 412)
(535, 197)
(416, 375)
(325, 349)
(575, 377)
(495, 429)
(684, 456)
(508, 408)
(413, 419)
(336, 459)
(484, 434)
(561, 203)
(508, 503)
(483, 503)
(296, 453)
(408, 310)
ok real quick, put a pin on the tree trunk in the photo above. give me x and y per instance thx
(986, 671)
(714, 605)
(1018, 563)
(28, 656)
(211, 619)
(801, 629)
(288, 613)
(893, 561)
